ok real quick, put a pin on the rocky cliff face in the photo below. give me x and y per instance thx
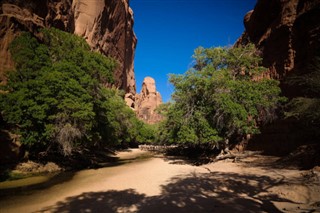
(288, 34)
(286, 31)
(107, 26)
(147, 101)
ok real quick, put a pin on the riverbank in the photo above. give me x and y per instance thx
(161, 184)
(29, 175)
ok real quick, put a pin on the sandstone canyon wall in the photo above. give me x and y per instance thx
(147, 102)
(286, 31)
(107, 26)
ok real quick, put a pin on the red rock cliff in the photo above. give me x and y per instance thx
(107, 26)
(286, 31)
(288, 34)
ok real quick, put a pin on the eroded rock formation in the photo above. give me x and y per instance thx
(107, 26)
(287, 33)
(147, 102)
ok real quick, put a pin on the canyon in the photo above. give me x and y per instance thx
(285, 32)
(107, 26)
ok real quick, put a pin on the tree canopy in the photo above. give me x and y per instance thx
(224, 96)
(56, 98)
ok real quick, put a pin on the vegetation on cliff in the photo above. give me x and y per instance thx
(305, 109)
(57, 98)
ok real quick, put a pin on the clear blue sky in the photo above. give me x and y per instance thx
(169, 30)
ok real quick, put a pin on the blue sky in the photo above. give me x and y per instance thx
(168, 31)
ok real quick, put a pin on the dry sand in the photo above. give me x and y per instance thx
(159, 184)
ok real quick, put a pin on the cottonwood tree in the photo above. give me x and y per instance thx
(223, 97)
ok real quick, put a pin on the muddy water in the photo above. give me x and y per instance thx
(34, 193)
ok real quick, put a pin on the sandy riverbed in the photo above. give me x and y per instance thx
(159, 184)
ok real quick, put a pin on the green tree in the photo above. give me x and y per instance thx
(224, 96)
(56, 96)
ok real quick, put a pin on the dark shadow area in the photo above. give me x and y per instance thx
(109, 201)
(304, 157)
(83, 158)
(11, 152)
(192, 155)
(213, 192)
(125, 150)
(201, 157)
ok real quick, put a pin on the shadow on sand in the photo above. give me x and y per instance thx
(211, 192)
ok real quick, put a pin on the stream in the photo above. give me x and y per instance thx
(34, 193)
